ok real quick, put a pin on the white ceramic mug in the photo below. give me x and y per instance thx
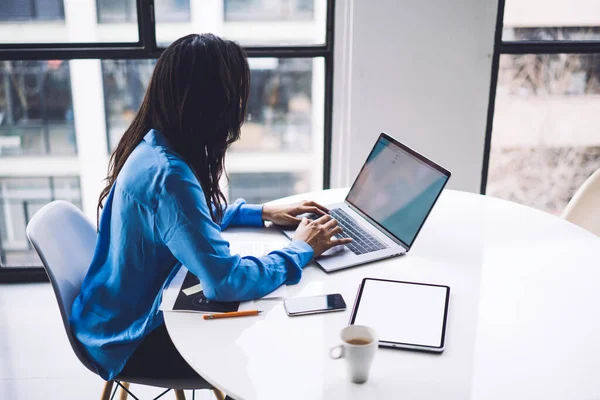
(359, 357)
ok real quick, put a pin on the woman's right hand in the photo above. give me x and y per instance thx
(319, 233)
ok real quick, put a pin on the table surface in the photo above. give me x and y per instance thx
(523, 321)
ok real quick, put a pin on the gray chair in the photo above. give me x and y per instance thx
(65, 241)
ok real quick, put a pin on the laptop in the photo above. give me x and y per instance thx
(386, 206)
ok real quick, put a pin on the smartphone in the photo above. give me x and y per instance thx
(314, 304)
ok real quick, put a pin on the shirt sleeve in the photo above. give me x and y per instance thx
(241, 214)
(184, 225)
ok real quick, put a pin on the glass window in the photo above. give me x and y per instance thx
(551, 20)
(125, 83)
(20, 199)
(545, 139)
(258, 188)
(114, 11)
(280, 107)
(252, 22)
(36, 110)
(283, 132)
(55, 21)
(265, 10)
(31, 10)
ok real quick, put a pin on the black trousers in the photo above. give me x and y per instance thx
(157, 358)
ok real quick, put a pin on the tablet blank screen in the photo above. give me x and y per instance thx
(403, 312)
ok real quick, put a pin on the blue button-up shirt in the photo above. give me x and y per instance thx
(154, 220)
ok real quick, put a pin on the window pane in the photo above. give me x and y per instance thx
(20, 199)
(260, 188)
(551, 20)
(58, 21)
(266, 10)
(545, 139)
(43, 156)
(252, 22)
(19, 10)
(125, 83)
(280, 107)
(36, 110)
(283, 132)
(116, 11)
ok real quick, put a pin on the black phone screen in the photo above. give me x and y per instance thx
(315, 304)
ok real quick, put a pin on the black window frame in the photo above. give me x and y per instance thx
(146, 48)
(517, 47)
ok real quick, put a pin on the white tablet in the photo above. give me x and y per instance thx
(405, 315)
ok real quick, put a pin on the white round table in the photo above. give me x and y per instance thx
(524, 319)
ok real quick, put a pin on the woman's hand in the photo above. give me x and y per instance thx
(286, 215)
(318, 234)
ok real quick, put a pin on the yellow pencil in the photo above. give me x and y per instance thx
(232, 314)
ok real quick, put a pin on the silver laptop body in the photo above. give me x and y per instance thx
(386, 206)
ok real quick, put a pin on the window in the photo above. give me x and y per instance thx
(261, 10)
(64, 106)
(260, 188)
(125, 83)
(20, 199)
(551, 20)
(31, 10)
(544, 139)
(116, 11)
(252, 22)
(280, 108)
(36, 111)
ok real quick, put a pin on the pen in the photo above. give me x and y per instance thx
(232, 314)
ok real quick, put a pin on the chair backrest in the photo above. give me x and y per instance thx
(65, 241)
(584, 207)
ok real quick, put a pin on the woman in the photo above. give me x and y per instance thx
(162, 207)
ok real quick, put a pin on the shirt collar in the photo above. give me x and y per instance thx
(156, 138)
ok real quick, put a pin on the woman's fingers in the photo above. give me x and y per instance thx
(322, 208)
(339, 242)
(309, 209)
(332, 223)
(335, 231)
(323, 219)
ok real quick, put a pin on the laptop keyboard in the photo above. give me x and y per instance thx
(362, 241)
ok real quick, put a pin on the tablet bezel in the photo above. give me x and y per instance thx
(401, 345)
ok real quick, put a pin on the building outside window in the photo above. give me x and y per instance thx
(546, 131)
(261, 10)
(116, 11)
(20, 199)
(263, 187)
(32, 10)
(36, 110)
(279, 108)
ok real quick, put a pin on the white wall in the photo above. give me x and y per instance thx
(418, 70)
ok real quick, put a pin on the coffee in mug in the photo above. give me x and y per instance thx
(359, 341)
(359, 345)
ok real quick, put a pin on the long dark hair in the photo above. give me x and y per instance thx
(197, 99)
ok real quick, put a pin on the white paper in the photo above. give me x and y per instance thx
(259, 248)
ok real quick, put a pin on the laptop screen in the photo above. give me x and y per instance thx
(397, 188)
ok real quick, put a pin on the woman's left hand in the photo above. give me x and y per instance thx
(287, 215)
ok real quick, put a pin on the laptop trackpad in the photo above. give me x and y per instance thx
(334, 250)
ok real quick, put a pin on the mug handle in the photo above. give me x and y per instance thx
(339, 355)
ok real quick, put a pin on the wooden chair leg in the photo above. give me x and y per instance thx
(218, 394)
(124, 394)
(107, 390)
(179, 394)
